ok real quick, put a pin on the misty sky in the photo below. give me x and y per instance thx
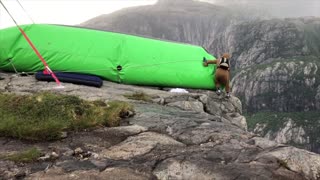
(68, 12)
(71, 12)
(278, 8)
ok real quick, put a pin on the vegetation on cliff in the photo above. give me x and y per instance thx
(273, 122)
(45, 116)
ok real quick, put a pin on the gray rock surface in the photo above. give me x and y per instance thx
(184, 136)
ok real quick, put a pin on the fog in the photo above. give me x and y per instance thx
(276, 8)
(68, 12)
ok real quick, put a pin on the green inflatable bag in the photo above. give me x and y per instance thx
(112, 56)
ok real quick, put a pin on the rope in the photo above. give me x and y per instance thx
(128, 67)
(74, 71)
(25, 11)
(156, 64)
(15, 70)
(9, 13)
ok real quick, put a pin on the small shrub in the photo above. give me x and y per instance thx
(115, 112)
(283, 163)
(139, 96)
(26, 156)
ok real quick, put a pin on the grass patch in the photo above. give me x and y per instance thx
(26, 156)
(283, 163)
(275, 120)
(139, 96)
(116, 111)
(44, 116)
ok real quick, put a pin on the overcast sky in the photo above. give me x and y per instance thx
(68, 12)
(71, 12)
(277, 8)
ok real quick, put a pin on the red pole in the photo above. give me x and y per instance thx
(34, 48)
(40, 57)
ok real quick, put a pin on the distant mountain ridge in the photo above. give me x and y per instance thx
(177, 20)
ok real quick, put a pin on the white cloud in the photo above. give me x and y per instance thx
(68, 12)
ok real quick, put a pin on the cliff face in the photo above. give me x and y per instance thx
(285, 85)
(261, 41)
(275, 62)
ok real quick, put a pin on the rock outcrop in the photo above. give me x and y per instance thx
(175, 136)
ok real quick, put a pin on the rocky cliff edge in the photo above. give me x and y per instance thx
(174, 136)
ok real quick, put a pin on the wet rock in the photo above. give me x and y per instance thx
(139, 145)
(73, 165)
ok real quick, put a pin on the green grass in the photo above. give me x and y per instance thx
(139, 96)
(309, 121)
(26, 156)
(275, 120)
(116, 111)
(44, 116)
(283, 163)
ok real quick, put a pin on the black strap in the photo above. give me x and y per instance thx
(224, 60)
